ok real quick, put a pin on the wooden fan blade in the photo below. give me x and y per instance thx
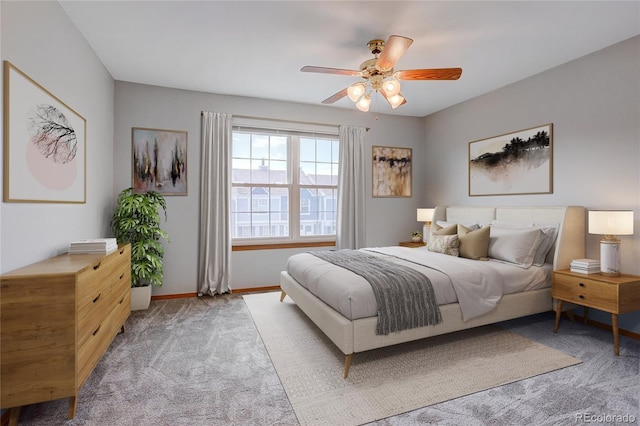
(431, 74)
(393, 50)
(325, 70)
(331, 99)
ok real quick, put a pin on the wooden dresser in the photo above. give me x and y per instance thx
(58, 317)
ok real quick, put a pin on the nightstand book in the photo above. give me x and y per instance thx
(615, 295)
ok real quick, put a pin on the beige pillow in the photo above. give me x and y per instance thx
(445, 244)
(474, 244)
(449, 230)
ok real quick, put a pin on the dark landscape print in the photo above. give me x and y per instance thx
(516, 163)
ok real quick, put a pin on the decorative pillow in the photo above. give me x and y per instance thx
(549, 231)
(445, 244)
(474, 244)
(515, 245)
(449, 230)
(471, 225)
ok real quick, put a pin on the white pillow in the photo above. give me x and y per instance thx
(549, 231)
(515, 245)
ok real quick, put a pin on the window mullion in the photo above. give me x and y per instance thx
(294, 187)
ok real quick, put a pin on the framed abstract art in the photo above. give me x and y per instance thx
(44, 144)
(514, 163)
(159, 161)
(391, 171)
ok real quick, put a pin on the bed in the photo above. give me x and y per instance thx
(353, 327)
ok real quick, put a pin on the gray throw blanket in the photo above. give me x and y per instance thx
(405, 296)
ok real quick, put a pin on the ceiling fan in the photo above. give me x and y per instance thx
(379, 75)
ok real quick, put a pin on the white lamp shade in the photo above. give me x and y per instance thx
(609, 222)
(395, 100)
(425, 215)
(355, 91)
(363, 103)
(391, 87)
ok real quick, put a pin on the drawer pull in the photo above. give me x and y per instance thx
(97, 297)
(581, 284)
(97, 329)
(121, 301)
(95, 268)
(121, 276)
(122, 251)
(581, 296)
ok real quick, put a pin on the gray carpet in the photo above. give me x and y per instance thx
(177, 364)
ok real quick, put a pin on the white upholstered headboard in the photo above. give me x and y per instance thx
(570, 243)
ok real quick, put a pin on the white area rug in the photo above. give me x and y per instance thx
(393, 380)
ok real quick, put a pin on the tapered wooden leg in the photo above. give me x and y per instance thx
(14, 415)
(73, 404)
(616, 342)
(558, 313)
(347, 364)
(283, 295)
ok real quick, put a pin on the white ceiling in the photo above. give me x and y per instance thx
(256, 48)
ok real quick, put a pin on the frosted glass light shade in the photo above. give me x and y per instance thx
(395, 100)
(355, 91)
(363, 103)
(609, 222)
(391, 87)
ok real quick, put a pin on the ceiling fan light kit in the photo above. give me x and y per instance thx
(364, 102)
(379, 75)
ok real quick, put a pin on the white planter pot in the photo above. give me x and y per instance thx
(140, 298)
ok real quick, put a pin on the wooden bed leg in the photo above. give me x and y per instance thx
(347, 364)
(283, 295)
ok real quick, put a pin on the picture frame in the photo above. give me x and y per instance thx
(514, 163)
(44, 144)
(159, 160)
(391, 171)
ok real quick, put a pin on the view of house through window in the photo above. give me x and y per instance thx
(284, 185)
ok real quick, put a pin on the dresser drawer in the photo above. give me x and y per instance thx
(91, 351)
(102, 274)
(92, 314)
(586, 292)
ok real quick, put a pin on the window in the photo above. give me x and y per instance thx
(284, 186)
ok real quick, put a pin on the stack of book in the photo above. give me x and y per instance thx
(585, 266)
(95, 246)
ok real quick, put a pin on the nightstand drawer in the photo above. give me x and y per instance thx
(586, 292)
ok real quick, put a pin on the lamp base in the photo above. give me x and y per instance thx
(426, 229)
(610, 258)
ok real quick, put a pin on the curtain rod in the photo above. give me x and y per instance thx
(285, 121)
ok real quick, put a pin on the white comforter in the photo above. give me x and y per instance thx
(476, 285)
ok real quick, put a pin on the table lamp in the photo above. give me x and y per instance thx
(425, 215)
(610, 224)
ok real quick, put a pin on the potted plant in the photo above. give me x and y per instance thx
(136, 220)
(416, 236)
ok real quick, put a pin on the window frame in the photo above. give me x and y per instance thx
(294, 187)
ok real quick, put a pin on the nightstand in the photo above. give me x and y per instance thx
(616, 295)
(411, 244)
